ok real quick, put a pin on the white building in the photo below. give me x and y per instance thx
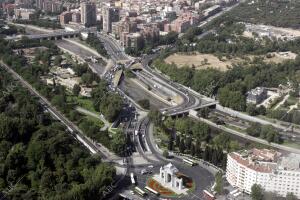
(268, 168)
(168, 174)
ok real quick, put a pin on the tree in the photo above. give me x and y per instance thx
(170, 143)
(254, 130)
(166, 153)
(251, 109)
(144, 103)
(234, 145)
(193, 150)
(169, 123)
(198, 149)
(156, 117)
(290, 196)
(261, 110)
(59, 101)
(182, 146)
(257, 192)
(118, 142)
(203, 112)
(57, 60)
(76, 89)
(177, 141)
(232, 99)
(87, 78)
(219, 183)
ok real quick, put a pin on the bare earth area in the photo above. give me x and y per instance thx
(204, 61)
(199, 61)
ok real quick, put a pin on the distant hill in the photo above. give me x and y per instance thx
(283, 13)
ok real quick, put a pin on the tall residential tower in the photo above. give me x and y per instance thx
(110, 15)
(88, 14)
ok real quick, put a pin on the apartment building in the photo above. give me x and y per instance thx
(110, 15)
(49, 6)
(88, 14)
(125, 25)
(23, 13)
(257, 95)
(65, 17)
(268, 168)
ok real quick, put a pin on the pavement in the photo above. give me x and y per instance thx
(83, 52)
(202, 177)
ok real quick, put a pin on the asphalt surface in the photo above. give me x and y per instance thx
(203, 178)
(82, 53)
(137, 93)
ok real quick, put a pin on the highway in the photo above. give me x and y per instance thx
(190, 100)
(115, 51)
(82, 53)
(146, 146)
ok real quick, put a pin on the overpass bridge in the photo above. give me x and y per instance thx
(185, 111)
(58, 35)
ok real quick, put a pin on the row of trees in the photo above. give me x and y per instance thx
(267, 132)
(293, 116)
(38, 157)
(10, 30)
(258, 193)
(195, 138)
(45, 23)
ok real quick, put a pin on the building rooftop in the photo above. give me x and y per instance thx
(290, 162)
(265, 160)
(257, 91)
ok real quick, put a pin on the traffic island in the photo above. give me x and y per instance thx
(170, 182)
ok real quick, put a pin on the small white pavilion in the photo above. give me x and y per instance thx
(168, 175)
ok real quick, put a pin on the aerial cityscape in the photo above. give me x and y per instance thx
(150, 99)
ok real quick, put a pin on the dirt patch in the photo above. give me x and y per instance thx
(201, 61)
(204, 61)
(279, 57)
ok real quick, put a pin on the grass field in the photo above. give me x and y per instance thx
(204, 61)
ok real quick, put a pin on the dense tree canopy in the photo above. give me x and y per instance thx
(39, 158)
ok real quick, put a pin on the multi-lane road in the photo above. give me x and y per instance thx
(146, 146)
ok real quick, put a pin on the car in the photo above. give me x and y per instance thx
(150, 166)
(144, 171)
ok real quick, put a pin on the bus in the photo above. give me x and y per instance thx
(132, 178)
(208, 196)
(151, 190)
(139, 191)
(189, 161)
